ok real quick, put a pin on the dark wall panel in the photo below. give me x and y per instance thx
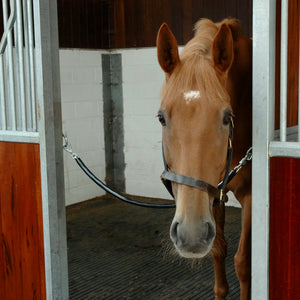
(142, 18)
(109, 24)
(84, 23)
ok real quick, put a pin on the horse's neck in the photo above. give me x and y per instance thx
(241, 98)
(240, 75)
(240, 90)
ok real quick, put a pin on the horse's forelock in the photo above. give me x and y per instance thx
(196, 73)
(195, 69)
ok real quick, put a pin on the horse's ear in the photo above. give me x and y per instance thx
(167, 49)
(222, 49)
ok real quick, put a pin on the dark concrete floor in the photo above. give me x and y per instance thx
(121, 251)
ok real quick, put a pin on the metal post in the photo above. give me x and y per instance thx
(283, 69)
(29, 54)
(3, 87)
(32, 65)
(52, 172)
(299, 86)
(2, 96)
(20, 68)
(9, 67)
(27, 72)
(264, 14)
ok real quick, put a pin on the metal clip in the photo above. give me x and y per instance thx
(68, 147)
(249, 154)
(244, 160)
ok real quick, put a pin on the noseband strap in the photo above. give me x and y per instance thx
(218, 193)
(194, 182)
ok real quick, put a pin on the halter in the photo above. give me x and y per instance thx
(168, 177)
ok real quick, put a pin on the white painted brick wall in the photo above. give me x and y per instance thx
(82, 114)
(82, 108)
(142, 81)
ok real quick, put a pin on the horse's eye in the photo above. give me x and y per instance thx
(227, 117)
(161, 118)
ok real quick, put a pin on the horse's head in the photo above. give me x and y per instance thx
(195, 114)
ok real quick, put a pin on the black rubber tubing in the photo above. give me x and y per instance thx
(101, 184)
(117, 195)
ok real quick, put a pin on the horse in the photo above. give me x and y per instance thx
(206, 95)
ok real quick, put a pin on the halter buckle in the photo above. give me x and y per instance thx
(229, 143)
(221, 195)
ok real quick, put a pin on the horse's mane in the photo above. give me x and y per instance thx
(195, 70)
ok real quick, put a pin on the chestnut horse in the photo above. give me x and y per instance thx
(206, 86)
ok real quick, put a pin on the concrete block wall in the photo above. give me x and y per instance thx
(82, 114)
(82, 109)
(142, 81)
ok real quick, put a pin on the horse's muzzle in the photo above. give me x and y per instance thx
(192, 241)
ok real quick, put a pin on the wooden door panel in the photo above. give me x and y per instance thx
(21, 227)
(285, 229)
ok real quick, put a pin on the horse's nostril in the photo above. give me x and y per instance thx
(174, 231)
(174, 227)
(209, 232)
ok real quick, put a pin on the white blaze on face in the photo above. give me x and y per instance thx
(191, 95)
